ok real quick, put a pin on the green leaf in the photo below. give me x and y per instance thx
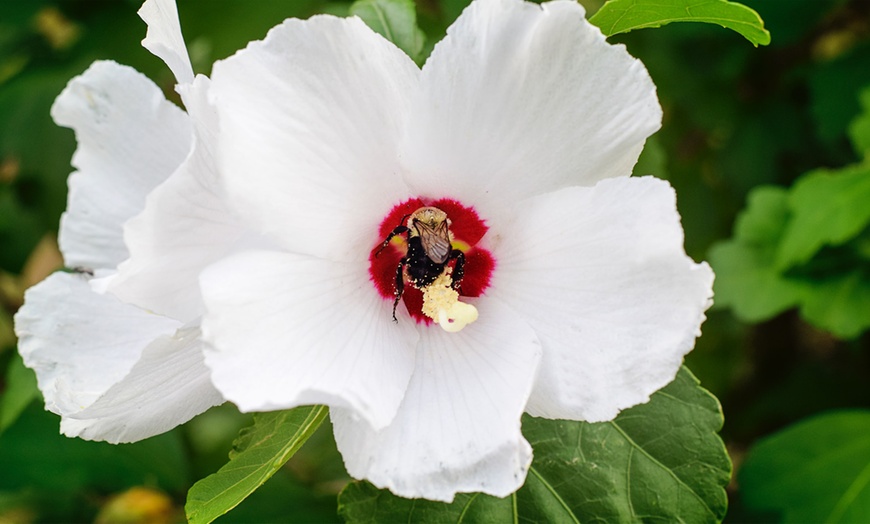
(839, 304)
(831, 286)
(622, 16)
(815, 471)
(746, 279)
(658, 461)
(828, 208)
(20, 391)
(749, 285)
(364, 503)
(395, 20)
(260, 451)
(859, 129)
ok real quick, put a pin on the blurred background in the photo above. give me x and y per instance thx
(785, 347)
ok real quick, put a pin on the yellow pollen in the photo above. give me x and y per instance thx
(441, 304)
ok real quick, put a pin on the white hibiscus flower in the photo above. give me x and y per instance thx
(522, 127)
(116, 369)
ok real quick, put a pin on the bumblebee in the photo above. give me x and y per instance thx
(427, 231)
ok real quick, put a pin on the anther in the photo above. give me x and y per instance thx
(441, 304)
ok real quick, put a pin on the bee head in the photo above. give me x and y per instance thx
(431, 216)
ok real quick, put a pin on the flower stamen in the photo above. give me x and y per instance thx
(419, 261)
(441, 304)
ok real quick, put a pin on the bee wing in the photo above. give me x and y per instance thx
(436, 241)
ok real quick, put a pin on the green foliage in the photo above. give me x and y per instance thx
(658, 461)
(835, 86)
(39, 456)
(741, 125)
(35, 195)
(395, 20)
(815, 471)
(20, 391)
(746, 279)
(801, 247)
(59, 476)
(827, 208)
(859, 130)
(622, 16)
(258, 453)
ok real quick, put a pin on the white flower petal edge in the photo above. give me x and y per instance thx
(291, 330)
(130, 138)
(99, 366)
(164, 37)
(310, 121)
(81, 343)
(601, 275)
(458, 429)
(168, 386)
(186, 225)
(520, 99)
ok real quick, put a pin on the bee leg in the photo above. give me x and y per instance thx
(458, 268)
(398, 231)
(400, 286)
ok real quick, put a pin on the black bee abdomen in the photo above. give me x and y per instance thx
(422, 271)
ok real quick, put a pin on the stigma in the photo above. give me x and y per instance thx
(441, 303)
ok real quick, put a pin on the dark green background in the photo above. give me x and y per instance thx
(735, 117)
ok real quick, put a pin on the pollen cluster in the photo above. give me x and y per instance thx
(441, 304)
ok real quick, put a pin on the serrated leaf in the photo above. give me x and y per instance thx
(622, 16)
(260, 451)
(746, 279)
(828, 208)
(658, 461)
(395, 20)
(817, 470)
(20, 391)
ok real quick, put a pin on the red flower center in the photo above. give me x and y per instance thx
(466, 229)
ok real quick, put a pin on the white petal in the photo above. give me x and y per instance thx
(290, 330)
(164, 37)
(168, 386)
(130, 138)
(80, 343)
(601, 275)
(458, 429)
(310, 119)
(185, 226)
(520, 99)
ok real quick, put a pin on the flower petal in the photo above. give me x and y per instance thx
(291, 330)
(130, 138)
(164, 37)
(168, 386)
(458, 428)
(79, 342)
(520, 99)
(185, 226)
(601, 275)
(310, 118)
